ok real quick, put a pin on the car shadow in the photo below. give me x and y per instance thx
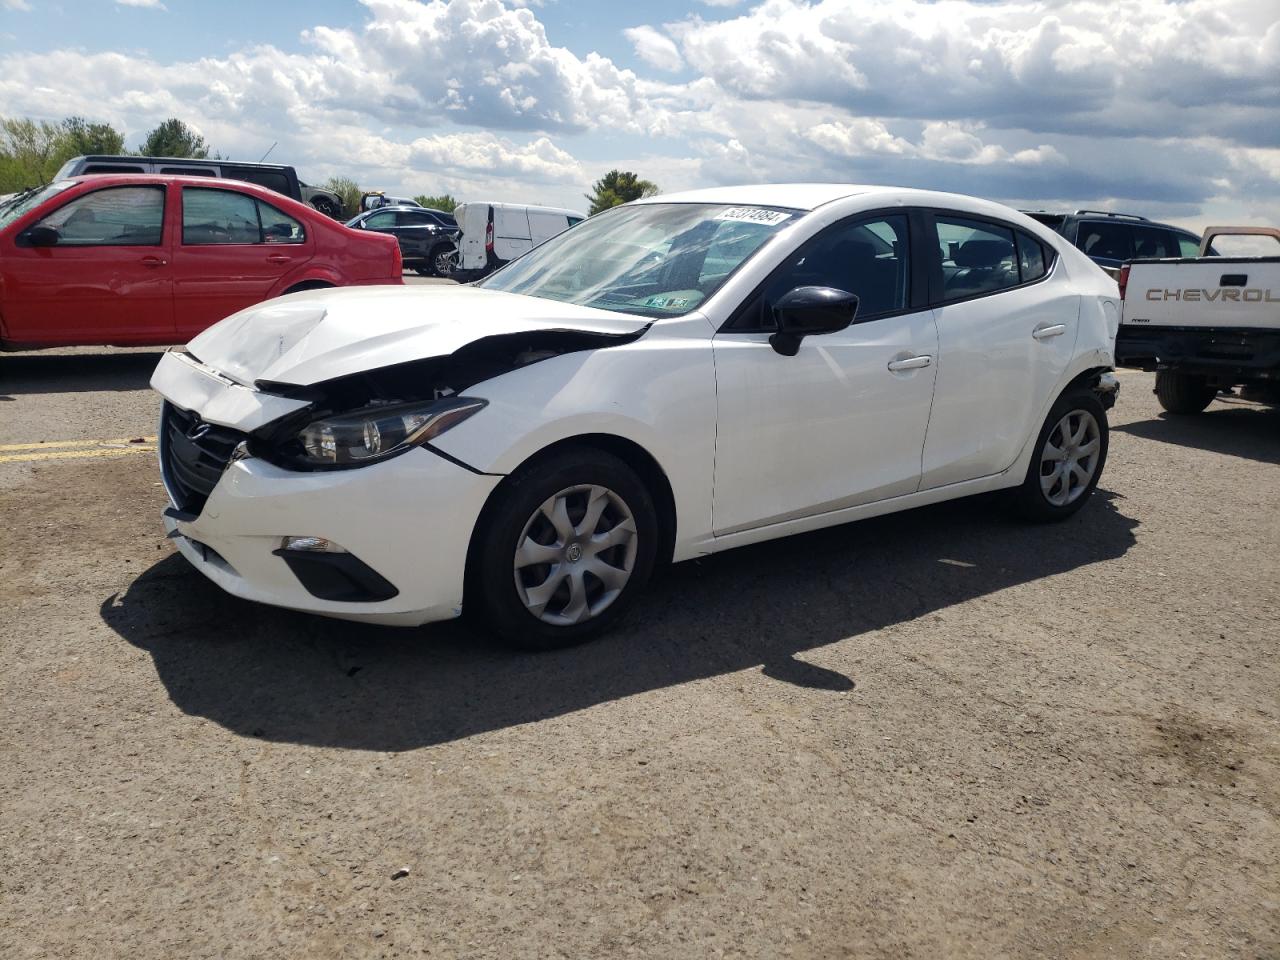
(76, 372)
(1233, 427)
(296, 678)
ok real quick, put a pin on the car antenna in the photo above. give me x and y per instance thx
(269, 149)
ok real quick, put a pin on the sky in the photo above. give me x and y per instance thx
(1164, 108)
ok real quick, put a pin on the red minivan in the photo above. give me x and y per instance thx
(141, 260)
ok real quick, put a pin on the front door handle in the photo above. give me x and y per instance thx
(154, 261)
(910, 363)
(1044, 333)
(278, 258)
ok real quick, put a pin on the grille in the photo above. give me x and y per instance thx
(193, 456)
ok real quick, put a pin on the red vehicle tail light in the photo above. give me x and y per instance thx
(1124, 279)
(488, 233)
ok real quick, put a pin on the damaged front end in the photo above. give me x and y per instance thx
(377, 414)
(346, 422)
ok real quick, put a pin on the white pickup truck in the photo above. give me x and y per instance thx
(1204, 324)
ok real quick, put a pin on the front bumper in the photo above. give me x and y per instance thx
(410, 519)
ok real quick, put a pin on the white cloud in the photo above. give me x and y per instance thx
(147, 4)
(21, 5)
(1158, 106)
(654, 48)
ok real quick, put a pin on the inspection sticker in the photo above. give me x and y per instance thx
(768, 218)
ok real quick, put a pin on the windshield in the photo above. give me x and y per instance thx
(652, 259)
(20, 203)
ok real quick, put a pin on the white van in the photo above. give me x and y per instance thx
(494, 233)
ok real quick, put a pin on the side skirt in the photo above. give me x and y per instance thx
(1009, 478)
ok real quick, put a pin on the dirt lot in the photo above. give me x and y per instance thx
(942, 734)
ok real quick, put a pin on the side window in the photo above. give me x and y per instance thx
(190, 171)
(411, 218)
(1107, 241)
(271, 179)
(1188, 246)
(1152, 242)
(1032, 263)
(110, 168)
(868, 258)
(219, 216)
(381, 220)
(278, 226)
(977, 258)
(574, 221)
(114, 217)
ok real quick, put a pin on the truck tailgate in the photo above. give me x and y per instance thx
(1223, 293)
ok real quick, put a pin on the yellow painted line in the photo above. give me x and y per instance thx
(70, 454)
(48, 444)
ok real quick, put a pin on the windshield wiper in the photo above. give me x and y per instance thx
(19, 196)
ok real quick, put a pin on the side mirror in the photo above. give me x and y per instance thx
(810, 311)
(40, 237)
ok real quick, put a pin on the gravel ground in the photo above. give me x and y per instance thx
(940, 734)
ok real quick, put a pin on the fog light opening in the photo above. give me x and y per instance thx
(310, 545)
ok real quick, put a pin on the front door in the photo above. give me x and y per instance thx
(107, 280)
(843, 422)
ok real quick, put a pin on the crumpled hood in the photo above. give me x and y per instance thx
(310, 337)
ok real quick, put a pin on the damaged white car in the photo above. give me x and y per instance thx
(669, 379)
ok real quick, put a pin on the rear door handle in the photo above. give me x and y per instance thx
(910, 363)
(153, 261)
(1044, 333)
(278, 258)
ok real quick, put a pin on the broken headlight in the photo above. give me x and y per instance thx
(376, 433)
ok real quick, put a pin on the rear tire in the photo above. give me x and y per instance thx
(564, 549)
(1070, 452)
(1183, 393)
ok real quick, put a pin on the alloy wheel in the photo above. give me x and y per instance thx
(1069, 458)
(575, 555)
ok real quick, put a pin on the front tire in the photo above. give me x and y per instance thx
(1183, 393)
(562, 552)
(1070, 452)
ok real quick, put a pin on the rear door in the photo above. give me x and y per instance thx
(511, 232)
(1006, 331)
(109, 278)
(232, 251)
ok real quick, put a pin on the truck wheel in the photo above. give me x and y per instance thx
(1182, 392)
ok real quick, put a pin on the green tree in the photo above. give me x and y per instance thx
(31, 151)
(445, 202)
(618, 186)
(80, 136)
(28, 153)
(349, 191)
(173, 138)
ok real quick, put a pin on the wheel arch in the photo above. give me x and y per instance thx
(635, 456)
(313, 283)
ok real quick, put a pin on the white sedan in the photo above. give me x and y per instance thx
(669, 379)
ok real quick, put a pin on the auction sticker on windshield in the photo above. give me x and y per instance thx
(770, 218)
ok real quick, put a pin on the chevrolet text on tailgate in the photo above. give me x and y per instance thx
(1204, 324)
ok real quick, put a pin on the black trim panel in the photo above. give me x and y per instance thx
(342, 577)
